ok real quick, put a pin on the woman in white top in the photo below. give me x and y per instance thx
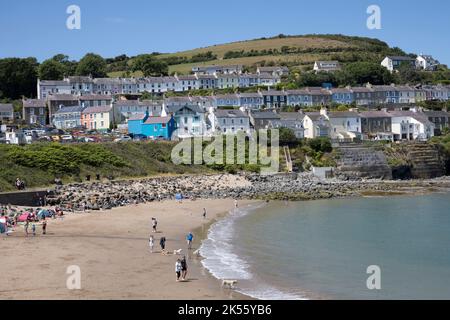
(151, 243)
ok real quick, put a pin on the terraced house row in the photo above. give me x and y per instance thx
(155, 85)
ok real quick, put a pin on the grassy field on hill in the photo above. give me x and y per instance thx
(266, 44)
(294, 51)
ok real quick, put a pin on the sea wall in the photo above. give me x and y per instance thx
(358, 161)
(23, 198)
(398, 162)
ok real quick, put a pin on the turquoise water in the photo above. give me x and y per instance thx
(321, 249)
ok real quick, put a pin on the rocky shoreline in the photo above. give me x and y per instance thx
(294, 187)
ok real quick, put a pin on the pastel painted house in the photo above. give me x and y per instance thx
(153, 127)
(97, 118)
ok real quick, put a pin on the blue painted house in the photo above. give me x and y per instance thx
(154, 127)
(342, 95)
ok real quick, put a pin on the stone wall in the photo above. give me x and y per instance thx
(24, 198)
(357, 161)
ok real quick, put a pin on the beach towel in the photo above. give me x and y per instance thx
(23, 217)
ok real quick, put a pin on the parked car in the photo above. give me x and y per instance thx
(123, 139)
(66, 138)
(139, 137)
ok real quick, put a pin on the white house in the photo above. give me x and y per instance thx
(214, 69)
(410, 125)
(49, 87)
(392, 63)
(316, 124)
(229, 121)
(344, 125)
(274, 71)
(426, 62)
(327, 66)
(191, 120)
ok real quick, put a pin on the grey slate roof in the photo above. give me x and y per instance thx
(6, 107)
(193, 107)
(225, 113)
(265, 115)
(34, 103)
(75, 109)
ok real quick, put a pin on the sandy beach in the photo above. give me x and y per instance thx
(111, 249)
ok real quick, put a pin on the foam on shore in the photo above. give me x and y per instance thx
(221, 260)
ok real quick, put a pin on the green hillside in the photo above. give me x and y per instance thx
(293, 51)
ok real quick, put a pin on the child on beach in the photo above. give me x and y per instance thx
(154, 224)
(204, 213)
(189, 239)
(33, 229)
(178, 269)
(151, 243)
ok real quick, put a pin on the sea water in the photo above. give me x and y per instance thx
(322, 249)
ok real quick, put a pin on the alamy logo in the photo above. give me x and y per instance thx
(73, 22)
(374, 281)
(239, 149)
(74, 280)
(374, 20)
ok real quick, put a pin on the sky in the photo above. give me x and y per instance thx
(111, 28)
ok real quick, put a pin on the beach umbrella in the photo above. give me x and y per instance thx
(44, 214)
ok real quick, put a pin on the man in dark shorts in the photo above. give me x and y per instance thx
(184, 268)
(162, 243)
(44, 226)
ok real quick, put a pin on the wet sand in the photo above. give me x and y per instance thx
(111, 249)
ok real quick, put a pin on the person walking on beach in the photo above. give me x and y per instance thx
(189, 239)
(162, 243)
(33, 229)
(204, 213)
(235, 204)
(178, 268)
(154, 224)
(26, 227)
(44, 226)
(151, 243)
(184, 268)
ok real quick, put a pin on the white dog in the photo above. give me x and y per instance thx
(177, 252)
(197, 252)
(229, 283)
